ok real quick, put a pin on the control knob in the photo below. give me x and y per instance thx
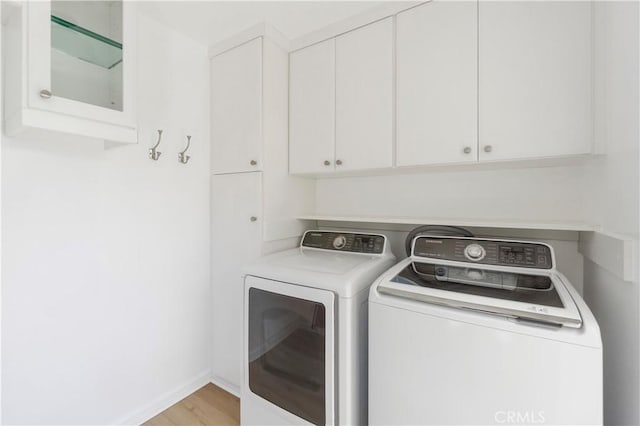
(474, 252)
(339, 242)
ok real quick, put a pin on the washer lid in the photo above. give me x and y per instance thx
(538, 297)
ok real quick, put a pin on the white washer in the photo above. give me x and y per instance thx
(481, 331)
(305, 332)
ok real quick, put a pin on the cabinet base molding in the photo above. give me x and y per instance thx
(567, 160)
(452, 221)
(36, 124)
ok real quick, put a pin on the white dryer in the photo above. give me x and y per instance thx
(305, 330)
(471, 331)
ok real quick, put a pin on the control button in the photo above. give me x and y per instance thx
(339, 242)
(474, 274)
(474, 252)
(509, 281)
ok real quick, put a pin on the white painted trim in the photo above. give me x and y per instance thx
(164, 401)
(480, 232)
(28, 121)
(9, 7)
(223, 384)
(349, 24)
(465, 222)
(614, 252)
(521, 163)
(263, 29)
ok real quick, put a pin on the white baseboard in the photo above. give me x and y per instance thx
(165, 400)
(221, 383)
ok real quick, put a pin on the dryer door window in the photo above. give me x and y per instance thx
(290, 347)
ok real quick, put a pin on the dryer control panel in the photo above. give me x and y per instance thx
(485, 251)
(341, 241)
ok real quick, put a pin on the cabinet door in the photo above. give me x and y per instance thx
(236, 240)
(81, 59)
(312, 109)
(437, 83)
(364, 97)
(535, 79)
(236, 109)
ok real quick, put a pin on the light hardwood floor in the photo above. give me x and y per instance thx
(208, 406)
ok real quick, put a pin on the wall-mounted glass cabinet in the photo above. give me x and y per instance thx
(78, 60)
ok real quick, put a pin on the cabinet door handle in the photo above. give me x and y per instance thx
(487, 148)
(253, 218)
(253, 162)
(45, 94)
(339, 162)
(467, 150)
(327, 162)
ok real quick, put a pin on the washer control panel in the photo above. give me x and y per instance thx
(486, 252)
(349, 242)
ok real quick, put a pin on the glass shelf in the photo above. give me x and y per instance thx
(84, 44)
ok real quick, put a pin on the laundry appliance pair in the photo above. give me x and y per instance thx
(464, 330)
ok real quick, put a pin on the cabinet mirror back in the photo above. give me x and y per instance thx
(86, 52)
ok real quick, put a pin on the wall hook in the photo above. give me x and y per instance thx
(153, 153)
(182, 156)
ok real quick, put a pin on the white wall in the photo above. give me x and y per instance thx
(492, 193)
(105, 309)
(612, 181)
(612, 197)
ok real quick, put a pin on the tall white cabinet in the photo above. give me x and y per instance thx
(437, 91)
(236, 231)
(236, 109)
(535, 79)
(252, 211)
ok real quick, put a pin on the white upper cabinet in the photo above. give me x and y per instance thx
(364, 97)
(341, 102)
(312, 109)
(436, 54)
(71, 68)
(473, 82)
(535, 79)
(236, 109)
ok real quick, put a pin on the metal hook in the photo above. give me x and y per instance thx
(182, 156)
(153, 153)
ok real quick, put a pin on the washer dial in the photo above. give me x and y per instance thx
(339, 242)
(474, 252)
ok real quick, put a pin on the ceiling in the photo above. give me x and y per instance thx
(212, 21)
